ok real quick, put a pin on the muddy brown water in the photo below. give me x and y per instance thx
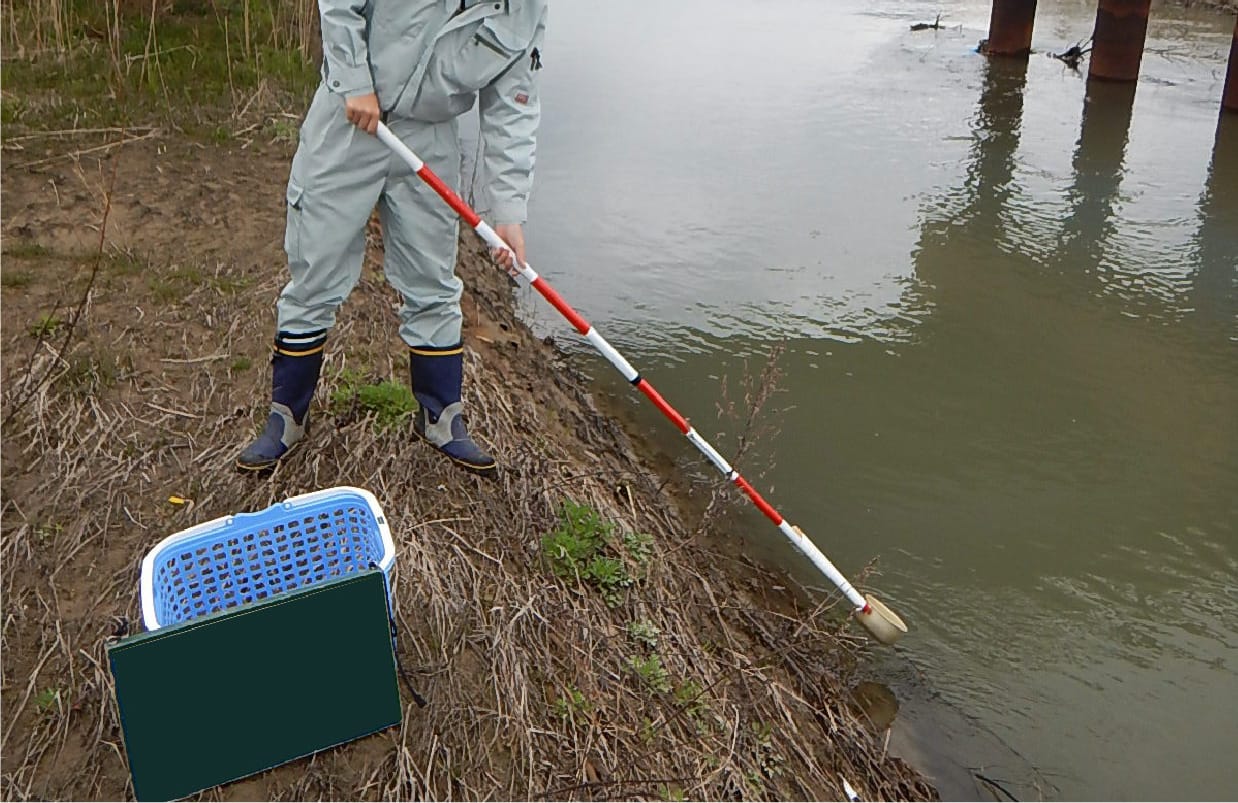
(1011, 371)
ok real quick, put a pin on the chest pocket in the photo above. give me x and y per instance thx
(494, 47)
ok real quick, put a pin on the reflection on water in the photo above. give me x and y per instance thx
(1100, 451)
(989, 179)
(1215, 289)
(1098, 170)
(1008, 300)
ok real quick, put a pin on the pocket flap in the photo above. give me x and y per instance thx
(294, 194)
(501, 32)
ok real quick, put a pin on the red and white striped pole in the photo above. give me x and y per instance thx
(876, 617)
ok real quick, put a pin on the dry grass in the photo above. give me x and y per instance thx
(36, 27)
(77, 72)
(530, 676)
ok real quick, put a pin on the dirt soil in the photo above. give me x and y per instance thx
(529, 675)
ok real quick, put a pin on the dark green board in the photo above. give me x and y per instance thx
(237, 692)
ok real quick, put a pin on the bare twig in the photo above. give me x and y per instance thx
(31, 384)
(67, 132)
(96, 149)
(1074, 54)
(196, 360)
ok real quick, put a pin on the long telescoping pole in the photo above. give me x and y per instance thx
(879, 620)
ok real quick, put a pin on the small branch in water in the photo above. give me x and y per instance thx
(994, 784)
(924, 26)
(1074, 54)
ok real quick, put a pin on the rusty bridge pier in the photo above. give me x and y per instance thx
(1010, 28)
(1229, 98)
(1117, 41)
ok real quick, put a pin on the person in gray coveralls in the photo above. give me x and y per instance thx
(416, 65)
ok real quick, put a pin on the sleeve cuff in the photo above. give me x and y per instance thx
(509, 212)
(349, 81)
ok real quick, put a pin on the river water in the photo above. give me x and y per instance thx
(1008, 307)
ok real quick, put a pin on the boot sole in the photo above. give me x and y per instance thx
(262, 468)
(252, 468)
(489, 472)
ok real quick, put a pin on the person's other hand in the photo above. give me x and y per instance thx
(513, 235)
(363, 112)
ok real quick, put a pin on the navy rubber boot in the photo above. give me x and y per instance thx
(295, 366)
(436, 376)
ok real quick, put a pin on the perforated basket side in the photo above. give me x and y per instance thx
(241, 559)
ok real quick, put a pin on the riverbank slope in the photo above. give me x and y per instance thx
(133, 373)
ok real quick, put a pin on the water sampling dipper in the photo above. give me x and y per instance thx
(880, 621)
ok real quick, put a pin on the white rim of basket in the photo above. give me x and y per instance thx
(151, 620)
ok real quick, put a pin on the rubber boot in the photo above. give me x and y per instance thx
(436, 376)
(295, 366)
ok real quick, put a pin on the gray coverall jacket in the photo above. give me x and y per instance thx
(428, 61)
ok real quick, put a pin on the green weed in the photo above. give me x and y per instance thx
(576, 548)
(15, 279)
(187, 275)
(639, 547)
(585, 547)
(572, 704)
(45, 534)
(610, 577)
(25, 249)
(12, 110)
(768, 758)
(241, 364)
(93, 370)
(644, 632)
(283, 131)
(47, 700)
(164, 291)
(46, 326)
(125, 263)
(231, 285)
(671, 792)
(173, 286)
(688, 696)
(391, 402)
(650, 672)
(580, 535)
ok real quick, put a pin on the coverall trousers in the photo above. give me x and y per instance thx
(338, 175)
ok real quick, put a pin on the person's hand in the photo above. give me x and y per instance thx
(363, 112)
(513, 235)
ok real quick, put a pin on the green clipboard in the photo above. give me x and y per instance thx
(234, 693)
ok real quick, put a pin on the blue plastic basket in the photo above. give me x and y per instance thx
(249, 557)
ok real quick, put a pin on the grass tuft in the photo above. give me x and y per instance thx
(15, 279)
(390, 402)
(93, 370)
(25, 249)
(46, 325)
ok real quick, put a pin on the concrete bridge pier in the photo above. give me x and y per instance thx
(1118, 39)
(1010, 28)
